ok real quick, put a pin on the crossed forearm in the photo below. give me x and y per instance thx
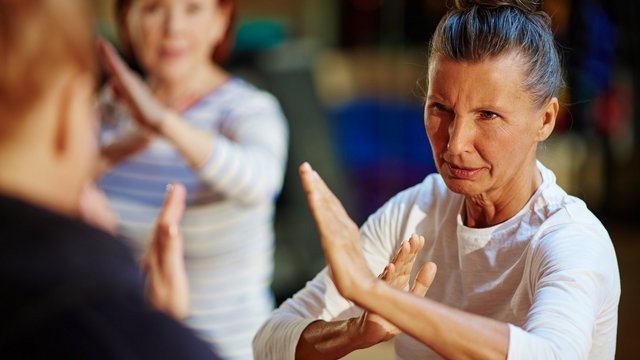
(452, 333)
(324, 340)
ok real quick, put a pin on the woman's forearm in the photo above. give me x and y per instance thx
(452, 333)
(195, 145)
(248, 168)
(118, 151)
(324, 340)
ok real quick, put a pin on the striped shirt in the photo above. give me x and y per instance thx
(228, 224)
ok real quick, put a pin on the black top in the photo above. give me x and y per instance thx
(68, 290)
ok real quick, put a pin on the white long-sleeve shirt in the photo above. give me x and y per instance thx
(550, 272)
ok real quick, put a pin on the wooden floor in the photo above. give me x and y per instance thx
(378, 352)
(627, 243)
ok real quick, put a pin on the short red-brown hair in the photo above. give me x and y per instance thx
(221, 51)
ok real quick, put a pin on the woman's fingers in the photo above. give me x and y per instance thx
(389, 273)
(167, 285)
(424, 279)
(328, 212)
(402, 263)
(169, 244)
(340, 237)
(174, 204)
(121, 78)
(114, 65)
(316, 189)
(417, 243)
(406, 254)
(130, 88)
(408, 249)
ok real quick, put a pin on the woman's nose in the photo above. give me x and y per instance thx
(174, 22)
(461, 134)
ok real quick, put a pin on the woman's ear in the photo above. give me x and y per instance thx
(224, 11)
(548, 119)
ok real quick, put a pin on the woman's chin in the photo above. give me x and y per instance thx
(171, 73)
(462, 187)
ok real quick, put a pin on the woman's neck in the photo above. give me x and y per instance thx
(179, 94)
(486, 210)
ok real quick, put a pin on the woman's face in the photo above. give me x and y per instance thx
(173, 38)
(483, 126)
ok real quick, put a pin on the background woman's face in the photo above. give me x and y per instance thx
(173, 38)
(482, 124)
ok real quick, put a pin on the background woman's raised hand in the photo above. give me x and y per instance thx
(132, 90)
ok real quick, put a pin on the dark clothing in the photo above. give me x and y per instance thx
(68, 290)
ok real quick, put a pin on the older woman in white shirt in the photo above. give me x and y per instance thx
(524, 269)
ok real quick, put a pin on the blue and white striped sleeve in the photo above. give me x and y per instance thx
(250, 151)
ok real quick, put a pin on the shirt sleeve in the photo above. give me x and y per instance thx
(318, 300)
(250, 150)
(575, 288)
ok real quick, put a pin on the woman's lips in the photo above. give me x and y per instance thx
(462, 172)
(171, 53)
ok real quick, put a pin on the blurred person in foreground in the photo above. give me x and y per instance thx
(525, 271)
(69, 289)
(189, 120)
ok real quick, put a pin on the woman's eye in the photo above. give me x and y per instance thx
(151, 7)
(437, 107)
(487, 115)
(193, 8)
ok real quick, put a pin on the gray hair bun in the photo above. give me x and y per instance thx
(525, 5)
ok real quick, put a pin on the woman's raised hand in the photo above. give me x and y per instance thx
(397, 273)
(340, 238)
(130, 88)
(167, 286)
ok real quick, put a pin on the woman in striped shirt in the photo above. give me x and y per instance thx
(192, 122)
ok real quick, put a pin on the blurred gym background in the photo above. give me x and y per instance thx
(349, 76)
